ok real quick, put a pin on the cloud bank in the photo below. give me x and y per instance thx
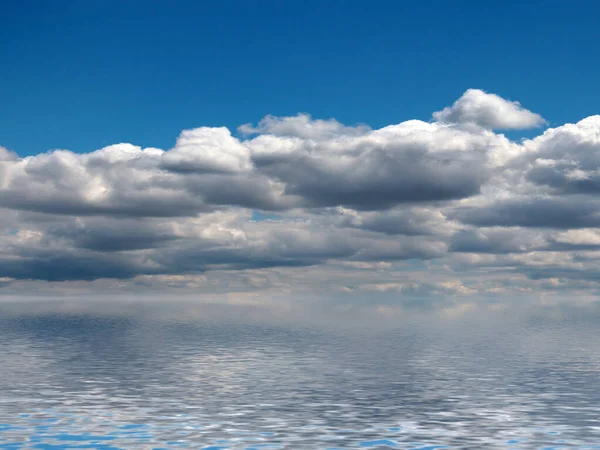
(408, 213)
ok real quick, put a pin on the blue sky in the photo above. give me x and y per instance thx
(82, 75)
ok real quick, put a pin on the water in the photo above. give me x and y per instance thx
(83, 380)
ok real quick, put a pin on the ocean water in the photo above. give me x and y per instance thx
(86, 380)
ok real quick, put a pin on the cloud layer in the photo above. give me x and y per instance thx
(413, 210)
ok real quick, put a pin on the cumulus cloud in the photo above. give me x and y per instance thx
(209, 169)
(491, 111)
(566, 159)
(411, 210)
(207, 150)
(406, 163)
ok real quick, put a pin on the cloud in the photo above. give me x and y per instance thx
(209, 169)
(490, 111)
(497, 240)
(566, 159)
(90, 247)
(410, 162)
(303, 126)
(406, 220)
(534, 211)
(413, 210)
(7, 155)
(207, 150)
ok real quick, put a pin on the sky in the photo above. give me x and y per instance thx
(370, 155)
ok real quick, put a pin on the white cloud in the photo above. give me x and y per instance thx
(207, 150)
(7, 155)
(304, 127)
(491, 111)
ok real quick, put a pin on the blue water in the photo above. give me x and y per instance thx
(115, 381)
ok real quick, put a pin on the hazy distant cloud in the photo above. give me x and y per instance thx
(411, 210)
(477, 107)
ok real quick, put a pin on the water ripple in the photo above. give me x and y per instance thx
(115, 383)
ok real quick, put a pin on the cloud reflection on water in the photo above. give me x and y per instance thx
(88, 380)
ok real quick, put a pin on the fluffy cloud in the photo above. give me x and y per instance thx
(406, 163)
(477, 107)
(206, 150)
(566, 159)
(412, 210)
(209, 169)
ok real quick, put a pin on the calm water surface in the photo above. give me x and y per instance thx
(88, 381)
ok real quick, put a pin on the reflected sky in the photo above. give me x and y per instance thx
(84, 380)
